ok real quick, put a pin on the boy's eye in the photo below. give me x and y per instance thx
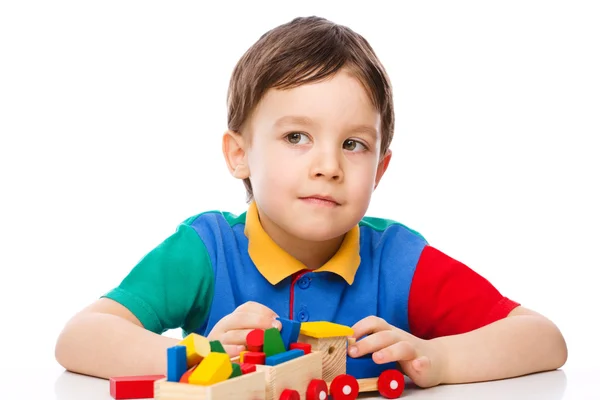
(296, 138)
(352, 145)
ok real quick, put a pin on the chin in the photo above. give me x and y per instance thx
(319, 232)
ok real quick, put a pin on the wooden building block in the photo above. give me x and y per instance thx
(290, 330)
(217, 347)
(247, 368)
(242, 355)
(236, 370)
(133, 387)
(295, 375)
(214, 368)
(283, 357)
(176, 363)
(252, 357)
(197, 347)
(255, 340)
(305, 347)
(334, 352)
(273, 342)
(324, 329)
(245, 387)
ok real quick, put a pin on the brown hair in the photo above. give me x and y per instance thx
(304, 50)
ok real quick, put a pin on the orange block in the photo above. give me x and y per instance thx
(185, 378)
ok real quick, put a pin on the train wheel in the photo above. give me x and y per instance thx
(391, 384)
(289, 394)
(316, 390)
(344, 387)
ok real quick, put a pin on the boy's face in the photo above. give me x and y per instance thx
(312, 155)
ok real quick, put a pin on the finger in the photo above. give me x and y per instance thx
(373, 343)
(400, 351)
(369, 325)
(233, 350)
(246, 320)
(421, 364)
(256, 308)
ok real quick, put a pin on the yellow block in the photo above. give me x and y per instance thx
(324, 329)
(242, 355)
(215, 368)
(196, 348)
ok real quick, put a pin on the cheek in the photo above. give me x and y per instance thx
(271, 171)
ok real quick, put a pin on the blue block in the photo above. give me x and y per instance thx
(365, 367)
(290, 330)
(283, 357)
(176, 363)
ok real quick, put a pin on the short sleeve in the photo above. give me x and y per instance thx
(172, 286)
(448, 298)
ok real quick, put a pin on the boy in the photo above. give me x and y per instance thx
(310, 124)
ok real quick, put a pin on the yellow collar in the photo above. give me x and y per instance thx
(275, 264)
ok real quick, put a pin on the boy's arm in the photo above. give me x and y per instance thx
(106, 340)
(522, 343)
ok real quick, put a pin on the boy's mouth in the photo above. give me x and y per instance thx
(324, 200)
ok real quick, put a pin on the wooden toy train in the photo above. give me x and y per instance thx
(302, 362)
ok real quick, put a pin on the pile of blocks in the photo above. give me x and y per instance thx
(198, 361)
(272, 347)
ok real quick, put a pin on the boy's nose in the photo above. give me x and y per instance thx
(327, 166)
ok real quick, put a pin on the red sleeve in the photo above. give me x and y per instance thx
(448, 298)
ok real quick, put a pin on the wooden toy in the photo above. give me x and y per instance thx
(255, 340)
(273, 342)
(305, 347)
(176, 363)
(214, 368)
(197, 347)
(133, 387)
(311, 367)
(289, 331)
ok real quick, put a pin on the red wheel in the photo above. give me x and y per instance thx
(289, 394)
(344, 387)
(391, 384)
(316, 390)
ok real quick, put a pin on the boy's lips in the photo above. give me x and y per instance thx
(321, 199)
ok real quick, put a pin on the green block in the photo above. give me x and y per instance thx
(273, 342)
(237, 370)
(217, 347)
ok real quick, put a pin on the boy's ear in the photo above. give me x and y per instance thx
(234, 150)
(382, 167)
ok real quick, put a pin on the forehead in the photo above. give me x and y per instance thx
(336, 102)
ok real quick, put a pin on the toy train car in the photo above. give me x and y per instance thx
(315, 374)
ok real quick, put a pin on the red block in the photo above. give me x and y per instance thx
(247, 368)
(305, 347)
(255, 340)
(253, 357)
(133, 387)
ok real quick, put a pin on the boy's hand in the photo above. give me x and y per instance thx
(232, 329)
(421, 360)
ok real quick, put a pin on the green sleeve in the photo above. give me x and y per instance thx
(172, 286)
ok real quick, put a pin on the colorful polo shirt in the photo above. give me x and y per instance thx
(216, 261)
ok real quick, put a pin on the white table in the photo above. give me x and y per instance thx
(55, 383)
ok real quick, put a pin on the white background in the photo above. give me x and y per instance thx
(111, 116)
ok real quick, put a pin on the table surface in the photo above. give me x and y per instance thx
(55, 383)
